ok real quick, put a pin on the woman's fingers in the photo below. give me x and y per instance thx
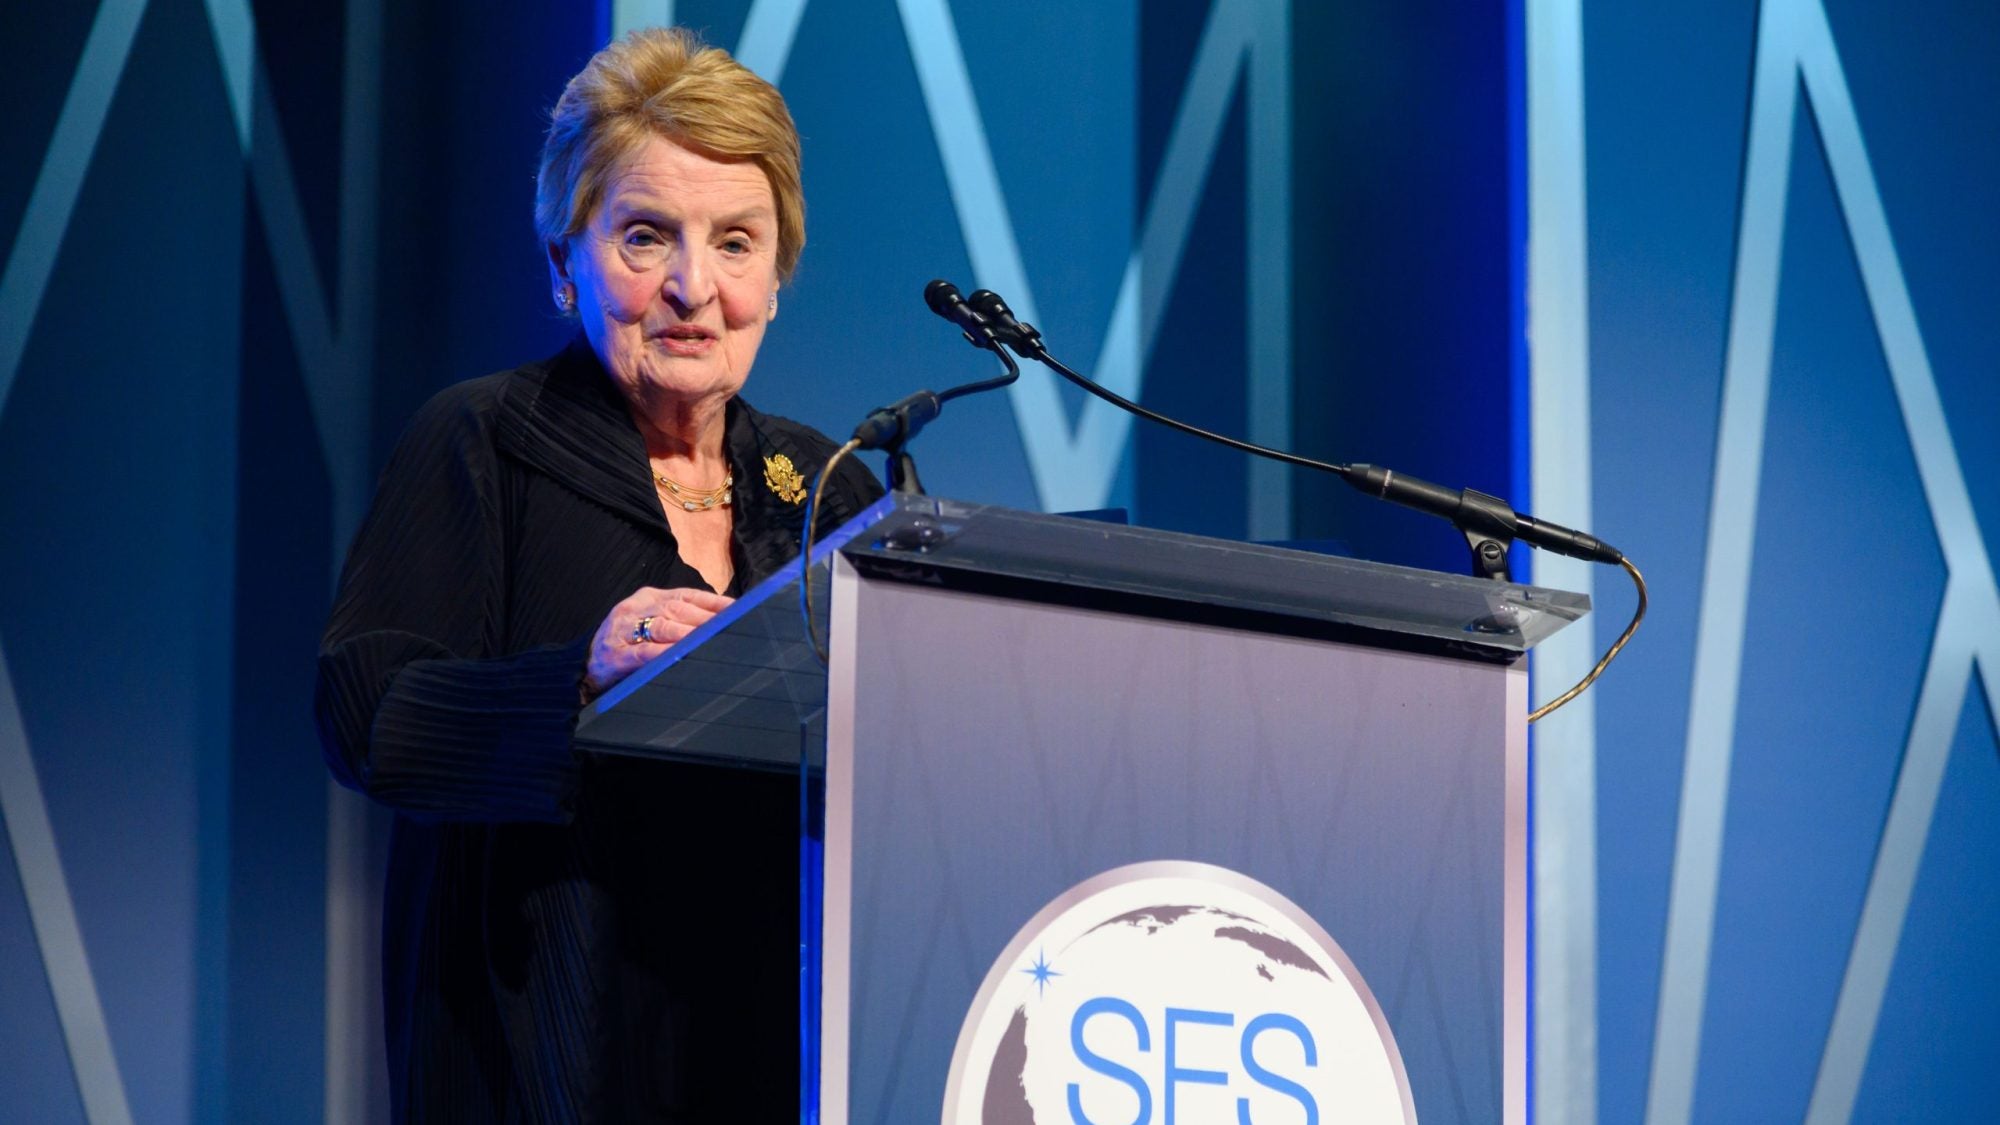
(700, 599)
(679, 601)
(641, 627)
(656, 614)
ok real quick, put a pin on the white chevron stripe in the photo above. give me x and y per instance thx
(1074, 469)
(1968, 626)
(53, 199)
(1565, 744)
(768, 32)
(629, 14)
(31, 835)
(1794, 43)
(53, 914)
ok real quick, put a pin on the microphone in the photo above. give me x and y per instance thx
(1477, 513)
(897, 422)
(945, 300)
(1015, 334)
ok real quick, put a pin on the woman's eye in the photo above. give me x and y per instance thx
(736, 244)
(640, 236)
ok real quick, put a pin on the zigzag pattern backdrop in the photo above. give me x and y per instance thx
(245, 239)
(1770, 854)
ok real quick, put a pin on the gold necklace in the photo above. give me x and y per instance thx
(698, 499)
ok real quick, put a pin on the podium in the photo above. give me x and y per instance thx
(1123, 825)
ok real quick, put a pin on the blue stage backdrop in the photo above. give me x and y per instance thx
(245, 239)
(1783, 404)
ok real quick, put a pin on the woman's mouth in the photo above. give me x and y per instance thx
(686, 340)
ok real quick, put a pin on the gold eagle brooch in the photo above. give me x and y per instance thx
(784, 479)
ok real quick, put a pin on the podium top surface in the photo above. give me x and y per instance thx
(1136, 569)
(747, 688)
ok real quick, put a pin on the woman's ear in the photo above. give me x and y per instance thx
(562, 288)
(771, 309)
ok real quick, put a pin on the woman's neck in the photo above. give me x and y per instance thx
(687, 434)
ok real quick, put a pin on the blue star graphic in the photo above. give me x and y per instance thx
(1041, 972)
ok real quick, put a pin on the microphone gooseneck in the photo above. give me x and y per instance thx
(891, 427)
(1489, 523)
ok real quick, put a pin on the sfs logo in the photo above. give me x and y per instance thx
(1174, 994)
(1176, 1071)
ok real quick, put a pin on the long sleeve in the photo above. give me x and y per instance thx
(416, 704)
(538, 949)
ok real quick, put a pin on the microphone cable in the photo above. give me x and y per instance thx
(806, 550)
(1638, 615)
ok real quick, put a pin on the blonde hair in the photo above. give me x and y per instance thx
(665, 82)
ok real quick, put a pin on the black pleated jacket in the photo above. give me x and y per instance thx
(566, 937)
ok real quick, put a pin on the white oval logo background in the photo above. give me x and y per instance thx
(1174, 992)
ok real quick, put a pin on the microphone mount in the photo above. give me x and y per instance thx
(1488, 523)
(891, 427)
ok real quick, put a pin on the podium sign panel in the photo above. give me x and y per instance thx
(1129, 826)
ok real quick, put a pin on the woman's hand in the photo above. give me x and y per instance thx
(621, 645)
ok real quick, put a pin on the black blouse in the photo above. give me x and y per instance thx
(566, 937)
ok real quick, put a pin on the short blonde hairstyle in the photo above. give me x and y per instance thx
(665, 82)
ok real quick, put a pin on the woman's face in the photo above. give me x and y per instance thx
(676, 275)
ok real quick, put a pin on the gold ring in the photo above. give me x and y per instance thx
(644, 633)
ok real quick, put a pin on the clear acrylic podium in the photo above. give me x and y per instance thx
(1015, 702)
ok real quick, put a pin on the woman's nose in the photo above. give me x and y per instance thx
(689, 279)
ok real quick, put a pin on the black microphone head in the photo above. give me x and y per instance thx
(945, 300)
(1021, 337)
(941, 296)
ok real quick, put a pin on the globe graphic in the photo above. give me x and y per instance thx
(1179, 993)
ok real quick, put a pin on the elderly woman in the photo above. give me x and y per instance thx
(570, 938)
